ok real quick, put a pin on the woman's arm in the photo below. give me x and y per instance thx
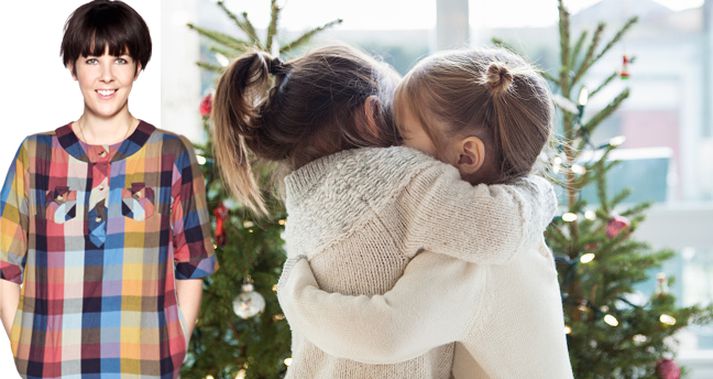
(14, 226)
(189, 294)
(9, 300)
(435, 302)
(485, 224)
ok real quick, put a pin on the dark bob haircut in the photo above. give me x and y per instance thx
(102, 24)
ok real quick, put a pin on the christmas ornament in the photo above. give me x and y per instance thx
(616, 225)
(591, 246)
(249, 303)
(221, 213)
(668, 369)
(661, 284)
(206, 105)
(626, 60)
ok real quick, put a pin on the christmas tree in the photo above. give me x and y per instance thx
(612, 330)
(241, 331)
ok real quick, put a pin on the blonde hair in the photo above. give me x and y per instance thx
(297, 111)
(492, 93)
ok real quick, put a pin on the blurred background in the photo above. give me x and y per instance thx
(667, 121)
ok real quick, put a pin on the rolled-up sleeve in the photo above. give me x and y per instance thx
(14, 220)
(194, 255)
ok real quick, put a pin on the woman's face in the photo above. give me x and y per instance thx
(105, 82)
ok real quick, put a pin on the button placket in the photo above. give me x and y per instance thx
(98, 201)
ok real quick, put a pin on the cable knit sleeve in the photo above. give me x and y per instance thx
(435, 302)
(486, 224)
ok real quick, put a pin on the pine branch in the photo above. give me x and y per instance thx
(611, 165)
(556, 233)
(592, 124)
(225, 51)
(617, 37)
(637, 209)
(621, 196)
(588, 60)
(605, 83)
(549, 77)
(221, 38)
(602, 184)
(272, 27)
(304, 38)
(564, 48)
(245, 25)
(578, 47)
(210, 67)
(497, 42)
(564, 83)
(250, 30)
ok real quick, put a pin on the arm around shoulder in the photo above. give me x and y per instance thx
(485, 224)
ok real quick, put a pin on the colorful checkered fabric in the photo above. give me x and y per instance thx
(97, 235)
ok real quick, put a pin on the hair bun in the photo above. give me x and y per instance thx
(275, 66)
(498, 78)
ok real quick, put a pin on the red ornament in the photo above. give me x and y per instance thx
(616, 225)
(624, 74)
(206, 105)
(221, 213)
(591, 246)
(668, 369)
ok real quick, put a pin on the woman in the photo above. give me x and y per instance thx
(99, 218)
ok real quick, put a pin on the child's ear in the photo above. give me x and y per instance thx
(371, 116)
(138, 71)
(471, 155)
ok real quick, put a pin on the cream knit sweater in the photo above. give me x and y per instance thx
(507, 318)
(361, 215)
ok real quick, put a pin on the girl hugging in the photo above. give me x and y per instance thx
(419, 261)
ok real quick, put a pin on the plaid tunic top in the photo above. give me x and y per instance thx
(96, 235)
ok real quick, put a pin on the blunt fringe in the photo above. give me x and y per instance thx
(102, 24)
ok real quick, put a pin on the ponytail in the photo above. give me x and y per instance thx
(292, 113)
(235, 118)
(521, 114)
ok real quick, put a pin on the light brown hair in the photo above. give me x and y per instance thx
(491, 93)
(297, 111)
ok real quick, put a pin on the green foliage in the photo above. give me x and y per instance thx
(231, 46)
(222, 343)
(603, 285)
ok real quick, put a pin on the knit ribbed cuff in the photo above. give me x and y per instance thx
(287, 269)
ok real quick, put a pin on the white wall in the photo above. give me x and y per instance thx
(180, 76)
